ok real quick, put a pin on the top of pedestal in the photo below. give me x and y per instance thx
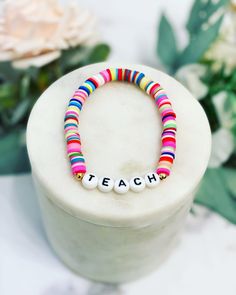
(120, 132)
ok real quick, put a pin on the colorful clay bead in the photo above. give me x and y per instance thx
(152, 179)
(153, 89)
(137, 184)
(90, 181)
(121, 186)
(105, 184)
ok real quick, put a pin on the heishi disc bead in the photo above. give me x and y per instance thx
(137, 184)
(152, 179)
(121, 186)
(90, 181)
(105, 184)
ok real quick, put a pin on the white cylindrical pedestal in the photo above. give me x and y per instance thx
(106, 236)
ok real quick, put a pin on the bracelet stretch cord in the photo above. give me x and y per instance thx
(153, 89)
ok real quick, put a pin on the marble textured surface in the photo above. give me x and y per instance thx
(204, 260)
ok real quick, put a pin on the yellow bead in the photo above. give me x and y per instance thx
(113, 74)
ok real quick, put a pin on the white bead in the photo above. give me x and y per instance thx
(90, 180)
(121, 186)
(137, 184)
(152, 179)
(105, 184)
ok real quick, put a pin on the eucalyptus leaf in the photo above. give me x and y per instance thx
(24, 86)
(218, 192)
(21, 111)
(199, 44)
(8, 73)
(231, 163)
(8, 98)
(33, 72)
(201, 12)
(98, 53)
(230, 103)
(166, 43)
(72, 57)
(5, 122)
(13, 153)
(230, 179)
(211, 112)
(80, 56)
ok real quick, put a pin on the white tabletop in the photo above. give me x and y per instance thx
(203, 261)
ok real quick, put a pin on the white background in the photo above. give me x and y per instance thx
(204, 260)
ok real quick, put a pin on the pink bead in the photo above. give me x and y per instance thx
(78, 169)
(105, 75)
(163, 170)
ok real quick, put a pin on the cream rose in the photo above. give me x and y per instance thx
(223, 50)
(34, 32)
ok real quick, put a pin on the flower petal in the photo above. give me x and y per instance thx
(189, 76)
(222, 147)
(36, 61)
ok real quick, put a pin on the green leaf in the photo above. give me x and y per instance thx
(80, 56)
(71, 58)
(24, 86)
(230, 178)
(8, 73)
(20, 112)
(231, 162)
(201, 12)
(218, 192)
(13, 153)
(166, 43)
(8, 96)
(98, 53)
(33, 72)
(230, 103)
(211, 112)
(199, 44)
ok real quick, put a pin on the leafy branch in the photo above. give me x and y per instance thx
(20, 88)
(217, 190)
(202, 27)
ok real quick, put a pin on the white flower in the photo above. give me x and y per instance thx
(222, 147)
(224, 115)
(190, 76)
(222, 139)
(223, 49)
(34, 32)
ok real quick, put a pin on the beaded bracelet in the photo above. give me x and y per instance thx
(72, 136)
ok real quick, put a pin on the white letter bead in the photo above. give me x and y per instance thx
(152, 179)
(121, 186)
(90, 180)
(105, 184)
(137, 184)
